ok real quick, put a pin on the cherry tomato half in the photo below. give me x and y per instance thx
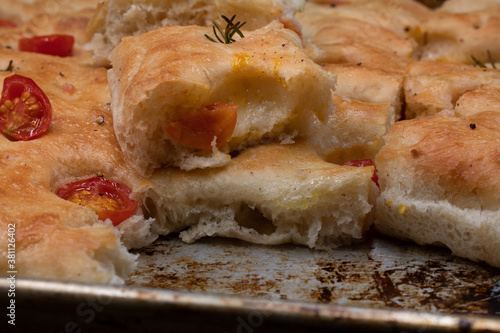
(25, 110)
(197, 129)
(364, 163)
(7, 23)
(110, 200)
(57, 45)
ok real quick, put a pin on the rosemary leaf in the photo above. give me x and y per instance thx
(226, 35)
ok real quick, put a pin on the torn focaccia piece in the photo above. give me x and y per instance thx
(461, 31)
(369, 85)
(353, 132)
(269, 194)
(431, 87)
(367, 102)
(115, 19)
(440, 184)
(179, 99)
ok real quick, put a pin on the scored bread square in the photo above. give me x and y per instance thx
(326, 29)
(462, 31)
(440, 184)
(399, 16)
(431, 87)
(339, 38)
(266, 74)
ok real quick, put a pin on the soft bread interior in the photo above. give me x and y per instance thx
(269, 194)
(467, 232)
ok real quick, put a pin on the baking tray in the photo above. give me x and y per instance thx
(223, 285)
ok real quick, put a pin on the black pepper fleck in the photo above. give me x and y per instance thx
(473, 126)
(100, 120)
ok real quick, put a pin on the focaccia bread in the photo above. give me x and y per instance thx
(369, 85)
(432, 87)
(349, 40)
(440, 184)
(269, 194)
(461, 30)
(172, 72)
(56, 238)
(41, 19)
(353, 132)
(484, 98)
(399, 16)
(115, 19)
(20, 11)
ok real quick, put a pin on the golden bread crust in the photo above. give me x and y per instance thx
(399, 16)
(455, 159)
(431, 87)
(457, 36)
(54, 21)
(56, 238)
(485, 98)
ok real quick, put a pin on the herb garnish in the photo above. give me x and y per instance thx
(481, 64)
(228, 33)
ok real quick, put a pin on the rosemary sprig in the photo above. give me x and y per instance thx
(228, 33)
(481, 64)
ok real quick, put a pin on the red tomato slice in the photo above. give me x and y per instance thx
(25, 110)
(364, 163)
(197, 129)
(7, 23)
(110, 200)
(57, 45)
